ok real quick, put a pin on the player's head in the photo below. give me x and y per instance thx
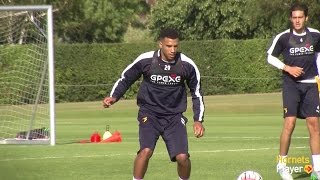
(168, 33)
(298, 16)
(299, 7)
(168, 43)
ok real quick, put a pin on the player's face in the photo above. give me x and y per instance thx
(168, 48)
(298, 21)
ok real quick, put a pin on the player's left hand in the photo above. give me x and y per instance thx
(198, 129)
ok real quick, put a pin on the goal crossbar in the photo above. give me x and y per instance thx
(27, 8)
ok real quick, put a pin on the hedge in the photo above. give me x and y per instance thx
(87, 72)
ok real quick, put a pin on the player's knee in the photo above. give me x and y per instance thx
(182, 158)
(146, 153)
(289, 126)
(312, 122)
(313, 127)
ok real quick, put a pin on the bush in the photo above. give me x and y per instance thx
(87, 72)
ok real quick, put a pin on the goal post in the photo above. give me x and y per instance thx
(27, 98)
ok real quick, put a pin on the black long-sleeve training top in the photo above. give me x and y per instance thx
(163, 88)
(298, 50)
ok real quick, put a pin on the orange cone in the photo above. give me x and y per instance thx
(117, 133)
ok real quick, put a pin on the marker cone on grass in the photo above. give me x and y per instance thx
(95, 137)
(107, 134)
(116, 137)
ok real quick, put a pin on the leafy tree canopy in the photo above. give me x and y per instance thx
(89, 20)
(230, 19)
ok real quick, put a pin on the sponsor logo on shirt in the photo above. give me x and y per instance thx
(298, 51)
(171, 79)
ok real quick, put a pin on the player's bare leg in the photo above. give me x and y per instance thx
(285, 138)
(141, 163)
(183, 166)
(313, 127)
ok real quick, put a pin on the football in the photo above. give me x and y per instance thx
(249, 175)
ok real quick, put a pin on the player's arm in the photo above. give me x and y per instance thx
(317, 50)
(274, 61)
(193, 82)
(318, 62)
(318, 67)
(130, 74)
(274, 52)
(292, 70)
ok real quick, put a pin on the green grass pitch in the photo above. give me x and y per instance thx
(242, 133)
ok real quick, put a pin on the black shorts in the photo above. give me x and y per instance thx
(300, 100)
(171, 128)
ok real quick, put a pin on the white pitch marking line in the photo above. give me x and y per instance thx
(112, 155)
(241, 150)
(252, 137)
(230, 137)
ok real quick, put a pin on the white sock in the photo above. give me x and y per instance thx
(316, 162)
(183, 179)
(282, 161)
(136, 179)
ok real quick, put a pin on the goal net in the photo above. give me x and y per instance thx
(26, 75)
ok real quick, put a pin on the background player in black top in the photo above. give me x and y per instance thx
(162, 98)
(299, 47)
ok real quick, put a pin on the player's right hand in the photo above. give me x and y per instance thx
(198, 129)
(108, 101)
(294, 70)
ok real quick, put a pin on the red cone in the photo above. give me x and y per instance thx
(95, 137)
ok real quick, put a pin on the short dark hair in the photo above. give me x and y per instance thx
(299, 7)
(168, 33)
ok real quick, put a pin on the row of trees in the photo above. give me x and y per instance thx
(108, 20)
(231, 19)
(90, 20)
